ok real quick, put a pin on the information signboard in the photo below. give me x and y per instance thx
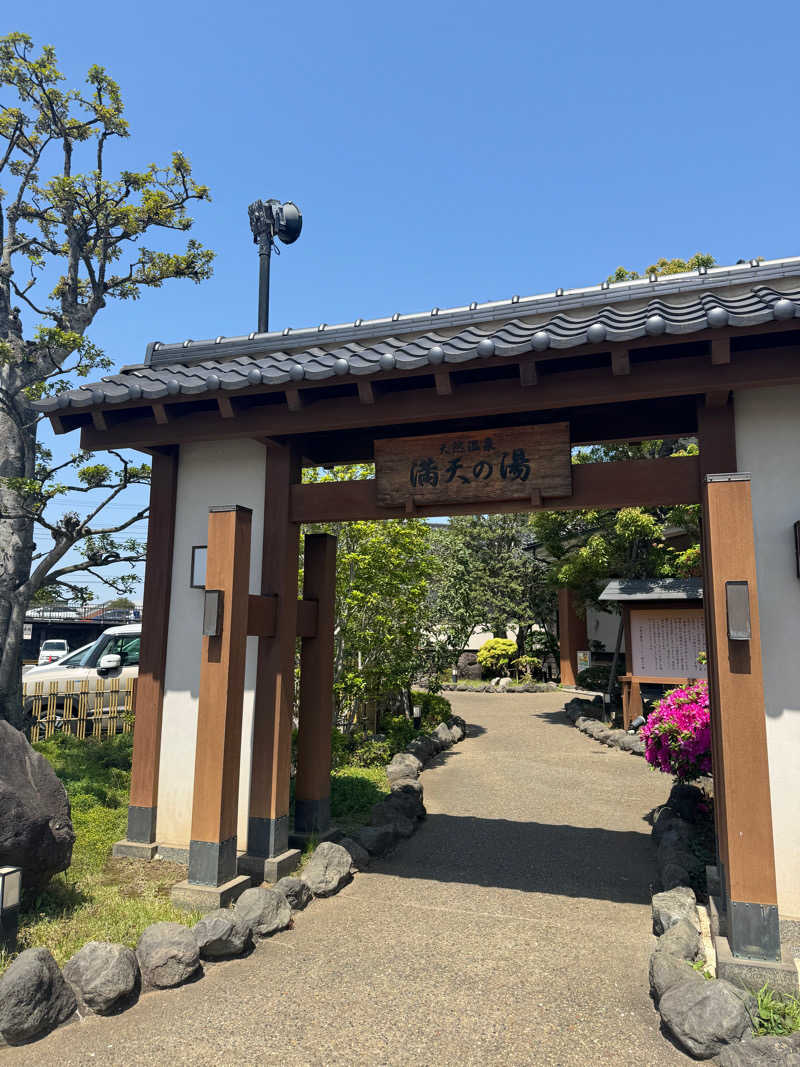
(666, 643)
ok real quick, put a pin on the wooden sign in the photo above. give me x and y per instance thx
(512, 463)
(666, 643)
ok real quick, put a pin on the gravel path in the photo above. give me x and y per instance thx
(513, 928)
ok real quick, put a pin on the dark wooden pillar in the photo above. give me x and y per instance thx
(312, 793)
(141, 838)
(736, 688)
(571, 636)
(212, 849)
(268, 823)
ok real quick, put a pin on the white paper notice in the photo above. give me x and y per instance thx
(665, 644)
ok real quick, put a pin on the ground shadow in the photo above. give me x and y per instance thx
(572, 861)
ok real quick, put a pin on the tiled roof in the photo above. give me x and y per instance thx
(624, 312)
(653, 589)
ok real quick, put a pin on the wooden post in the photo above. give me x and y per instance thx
(312, 791)
(736, 688)
(212, 849)
(268, 855)
(571, 636)
(142, 808)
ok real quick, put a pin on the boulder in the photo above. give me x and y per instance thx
(685, 801)
(168, 955)
(667, 971)
(422, 747)
(503, 684)
(402, 826)
(704, 1017)
(626, 742)
(673, 876)
(403, 765)
(456, 733)
(407, 804)
(763, 1052)
(265, 911)
(442, 733)
(615, 737)
(221, 934)
(407, 785)
(595, 728)
(329, 869)
(358, 854)
(377, 840)
(637, 748)
(103, 976)
(296, 892)
(681, 940)
(456, 720)
(35, 828)
(670, 907)
(34, 998)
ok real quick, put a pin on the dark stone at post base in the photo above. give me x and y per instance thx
(142, 824)
(312, 816)
(212, 862)
(267, 837)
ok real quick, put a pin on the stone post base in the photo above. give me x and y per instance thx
(192, 897)
(134, 850)
(269, 868)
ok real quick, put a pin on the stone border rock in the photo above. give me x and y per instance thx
(497, 686)
(102, 978)
(586, 715)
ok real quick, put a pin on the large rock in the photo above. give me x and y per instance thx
(35, 828)
(358, 854)
(407, 785)
(395, 805)
(422, 747)
(667, 971)
(456, 733)
(667, 822)
(763, 1052)
(686, 801)
(682, 940)
(329, 868)
(377, 840)
(670, 907)
(704, 1017)
(296, 892)
(403, 765)
(442, 733)
(104, 976)
(265, 911)
(34, 998)
(221, 934)
(168, 955)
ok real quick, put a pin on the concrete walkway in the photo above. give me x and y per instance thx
(513, 928)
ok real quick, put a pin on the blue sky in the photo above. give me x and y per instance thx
(445, 152)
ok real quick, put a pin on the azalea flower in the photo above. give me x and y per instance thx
(677, 734)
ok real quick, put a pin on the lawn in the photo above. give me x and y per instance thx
(105, 899)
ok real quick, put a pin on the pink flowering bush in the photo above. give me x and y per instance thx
(677, 734)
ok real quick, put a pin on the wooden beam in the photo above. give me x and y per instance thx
(261, 615)
(366, 394)
(294, 399)
(528, 374)
(620, 362)
(673, 377)
(160, 413)
(720, 351)
(637, 483)
(99, 420)
(741, 791)
(313, 781)
(717, 399)
(571, 635)
(716, 438)
(226, 408)
(153, 652)
(307, 617)
(444, 383)
(212, 848)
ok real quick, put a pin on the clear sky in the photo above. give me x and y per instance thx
(445, 152)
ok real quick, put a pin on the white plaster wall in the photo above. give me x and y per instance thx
(768, 447)
(212, 474)
(602, 626)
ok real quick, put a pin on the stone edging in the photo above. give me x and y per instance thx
(102, 978)
(585, 715)
(497, 687)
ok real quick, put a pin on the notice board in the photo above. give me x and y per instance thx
(666, 643)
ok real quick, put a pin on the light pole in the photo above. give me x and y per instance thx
(270, 219)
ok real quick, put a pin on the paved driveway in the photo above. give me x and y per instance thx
(513, 928)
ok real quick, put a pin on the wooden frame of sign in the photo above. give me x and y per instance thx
(511, 463)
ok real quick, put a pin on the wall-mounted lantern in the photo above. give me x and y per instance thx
(212, 612)
(10, 893)
(197, 573)
(737, 599)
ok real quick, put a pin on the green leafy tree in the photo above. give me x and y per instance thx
(383, 571)
(71, 240)
(496, 655)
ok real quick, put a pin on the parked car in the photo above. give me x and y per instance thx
(53, 648)
(115, 654)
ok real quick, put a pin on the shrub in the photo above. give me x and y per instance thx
(496, 655)
(677, 734)
(435, 708)
(370, 753)
(595, 677)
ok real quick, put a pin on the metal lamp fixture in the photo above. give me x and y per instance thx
(270, 219)
(10, 894)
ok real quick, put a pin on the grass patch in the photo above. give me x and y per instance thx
(777, 1014)
(353, 792)
(98, 898)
